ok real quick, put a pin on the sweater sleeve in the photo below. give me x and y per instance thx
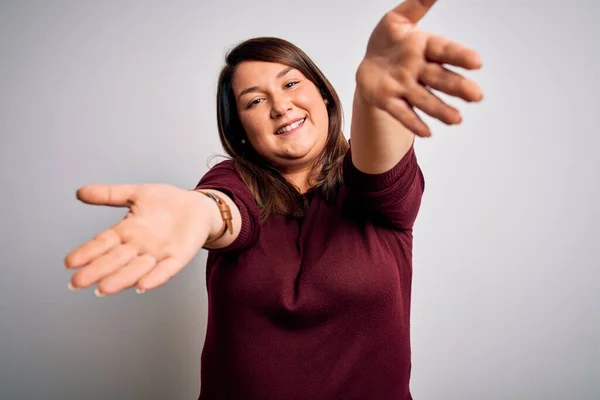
(393, 197)
(224, 178)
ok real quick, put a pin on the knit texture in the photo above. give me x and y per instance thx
(316, 307)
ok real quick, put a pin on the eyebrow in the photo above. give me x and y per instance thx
(281, 74)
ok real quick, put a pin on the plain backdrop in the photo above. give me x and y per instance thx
(506, 259)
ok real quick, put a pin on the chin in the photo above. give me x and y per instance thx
(299, 153)
(305, 152)
(296, 159)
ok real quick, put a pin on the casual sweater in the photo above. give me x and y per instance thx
(316, 307)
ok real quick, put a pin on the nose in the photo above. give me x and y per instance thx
(281, 106)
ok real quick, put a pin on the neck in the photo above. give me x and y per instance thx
(298, 175)
(298, 179)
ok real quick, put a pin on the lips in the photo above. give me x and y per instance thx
(290, 126)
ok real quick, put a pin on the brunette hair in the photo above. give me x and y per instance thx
(272, 192)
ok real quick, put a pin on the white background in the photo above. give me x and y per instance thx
(506, 263)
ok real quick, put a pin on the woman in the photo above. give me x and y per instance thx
(309, 269)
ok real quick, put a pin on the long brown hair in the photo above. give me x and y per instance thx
(272, 192)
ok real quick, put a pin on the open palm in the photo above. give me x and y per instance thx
(403, 65)
(162, 231)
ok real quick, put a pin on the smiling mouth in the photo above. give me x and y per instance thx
(291, 127)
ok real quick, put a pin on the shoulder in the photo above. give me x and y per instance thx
(222, 171)
(227, 165)
(224, 177)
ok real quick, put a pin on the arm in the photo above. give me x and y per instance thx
(401, 66)
(379, 141)
(163, 230)
(224, 181)
(216, 220)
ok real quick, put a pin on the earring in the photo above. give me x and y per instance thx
(243, 141)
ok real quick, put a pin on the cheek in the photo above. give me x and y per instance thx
(257, 129)
(254, 125)
(322, 117)
(313, 103)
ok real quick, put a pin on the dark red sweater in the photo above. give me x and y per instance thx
(315, 307)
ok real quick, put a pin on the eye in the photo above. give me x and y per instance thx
(253, 103)
(291, 84)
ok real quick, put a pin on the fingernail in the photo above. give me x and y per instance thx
(139, 291)
(98, 294)
(71, 287)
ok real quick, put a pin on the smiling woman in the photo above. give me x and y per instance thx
(266, 85)
(310, 265)
(274, 113)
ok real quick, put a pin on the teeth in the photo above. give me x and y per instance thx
(290, 126)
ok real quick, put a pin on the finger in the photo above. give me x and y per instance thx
(104, 265)
(403, 112)
(108, 195)
(445, 51)
(85, 253)
(442, 79)
(432, 105)
(164, 270)
(127, 276)
(413, 10)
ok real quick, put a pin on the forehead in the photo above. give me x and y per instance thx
(257, 73)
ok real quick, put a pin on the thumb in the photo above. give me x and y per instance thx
(413, 10)
(108, 195)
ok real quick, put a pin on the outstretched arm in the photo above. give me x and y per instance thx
(401, 68)
(163, 230)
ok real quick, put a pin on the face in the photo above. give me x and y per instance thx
(283, 113)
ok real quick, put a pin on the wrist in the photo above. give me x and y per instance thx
(364, 79)
(219, 214)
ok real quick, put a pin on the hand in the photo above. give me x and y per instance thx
(403, 64)
(163, 230)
